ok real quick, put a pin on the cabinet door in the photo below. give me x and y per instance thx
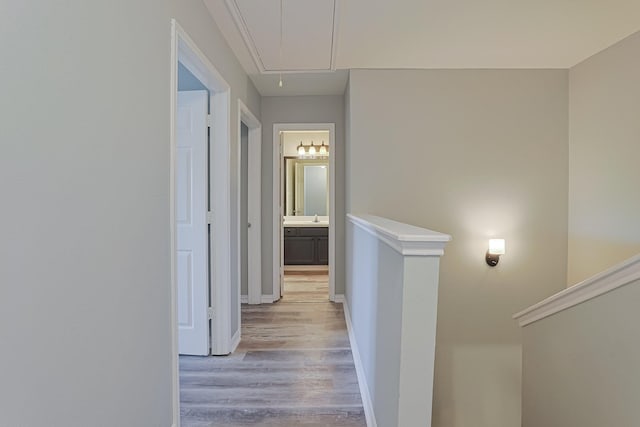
(299, 250)
(323, 251)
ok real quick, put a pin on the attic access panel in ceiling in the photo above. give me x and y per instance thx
(307, 39)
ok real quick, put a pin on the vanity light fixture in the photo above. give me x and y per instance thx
(310, 151)
(322, 151)
(496, 248)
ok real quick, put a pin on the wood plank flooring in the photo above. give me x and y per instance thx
(293, 367)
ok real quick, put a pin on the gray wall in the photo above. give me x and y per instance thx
(580, 366)
(604, 148)
(474, 154)
(300, 109)
(84, 255)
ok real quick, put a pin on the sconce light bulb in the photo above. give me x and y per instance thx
(323, 149)
(496, 248)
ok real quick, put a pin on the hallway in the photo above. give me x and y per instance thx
(293, 367)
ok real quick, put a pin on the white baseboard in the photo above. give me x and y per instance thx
(265, 299)
(362, 380)
(305, 268)
(235, 341)
(339, 298)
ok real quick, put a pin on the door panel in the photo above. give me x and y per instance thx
(323, 250)
(191, 219)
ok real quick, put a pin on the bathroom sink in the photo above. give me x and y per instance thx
(298, 223)
(305, 221)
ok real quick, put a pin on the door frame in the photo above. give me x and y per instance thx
(254, 203)
(185, 50)
(278, 234)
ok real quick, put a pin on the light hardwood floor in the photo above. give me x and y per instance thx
(293, 367)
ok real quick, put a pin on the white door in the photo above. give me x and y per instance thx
(191, 218)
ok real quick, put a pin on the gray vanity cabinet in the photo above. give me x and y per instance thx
(306, 246)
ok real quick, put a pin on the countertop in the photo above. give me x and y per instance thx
(305, 221)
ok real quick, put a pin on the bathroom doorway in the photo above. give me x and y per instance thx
(304, 211)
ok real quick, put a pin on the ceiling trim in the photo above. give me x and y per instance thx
(337, 6)
(305, 71)
(246, 36)
(241, 25)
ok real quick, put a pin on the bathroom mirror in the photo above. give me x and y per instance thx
(306, 187)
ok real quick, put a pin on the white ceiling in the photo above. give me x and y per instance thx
(307, 33)
(345, 34)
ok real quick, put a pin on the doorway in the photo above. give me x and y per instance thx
(304, 211)
(213, 301)
(249, 205)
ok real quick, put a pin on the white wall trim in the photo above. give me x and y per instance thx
(337, 13)
(250, 44)
(615, 277)
(404, 238)
(235, 340)
(277, 202)
(234, 10)
(268, 299)
(185, 50)
(367, 403)
(173, 231)
(339, 299)
(254, 205)
(264, 299)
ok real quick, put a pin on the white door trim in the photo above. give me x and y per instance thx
(184, 49)
(277, 202)
(254, 203)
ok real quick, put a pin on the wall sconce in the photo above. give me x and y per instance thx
(496, 248)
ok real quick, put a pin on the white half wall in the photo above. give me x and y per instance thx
(391, 304)
(581, 351)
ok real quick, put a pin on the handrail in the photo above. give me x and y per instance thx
(404, 238)
(615, 277)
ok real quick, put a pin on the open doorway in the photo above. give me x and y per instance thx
(201, 305)
(304, 199)
(249, 205)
